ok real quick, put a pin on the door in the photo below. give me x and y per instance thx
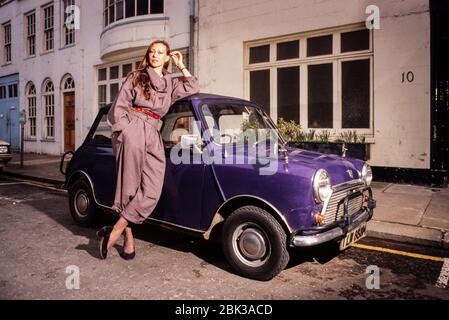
(439, 15)
(69, 121)
(182, 192)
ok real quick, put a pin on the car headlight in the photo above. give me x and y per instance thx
(3, 149)
(321, 185)
(367, 174)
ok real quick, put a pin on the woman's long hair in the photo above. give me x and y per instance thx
(142, 78)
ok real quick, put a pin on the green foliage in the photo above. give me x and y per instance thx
(290, 130)
(310, 136)
(323, 136)
(351, 137)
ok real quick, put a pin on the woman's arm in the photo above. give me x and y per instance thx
(184, 86)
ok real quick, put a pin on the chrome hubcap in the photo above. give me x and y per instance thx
(251, 244)
(81, 203)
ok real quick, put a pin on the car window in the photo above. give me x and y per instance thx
(178, 122)
(102, 134)
(232, 120)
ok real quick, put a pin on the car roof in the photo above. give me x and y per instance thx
(204, 96)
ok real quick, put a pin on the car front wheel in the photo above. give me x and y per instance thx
(254, 243)
(82, 203)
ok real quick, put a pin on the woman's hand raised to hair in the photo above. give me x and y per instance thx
(177, 59)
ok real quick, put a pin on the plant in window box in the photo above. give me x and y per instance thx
(349, 144)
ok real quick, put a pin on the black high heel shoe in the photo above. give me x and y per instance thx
(127, 256)
(104, 234)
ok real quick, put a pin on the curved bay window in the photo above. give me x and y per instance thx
(116, 10)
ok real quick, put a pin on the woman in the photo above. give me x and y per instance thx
(144, 98)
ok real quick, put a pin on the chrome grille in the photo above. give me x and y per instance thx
(334, 208)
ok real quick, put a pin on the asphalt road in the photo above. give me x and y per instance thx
(42, 252)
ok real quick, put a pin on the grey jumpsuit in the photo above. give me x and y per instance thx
(138, 145)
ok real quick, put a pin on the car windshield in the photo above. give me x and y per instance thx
(233, 122)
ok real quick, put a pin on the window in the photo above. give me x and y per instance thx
(126, 69)
(355, 83)
(157, 6)
(288, 50)
(31, 107)
(110, 77)
(320, 96)
(317, 46)
(260, 88)
(355, 40)
(320, 80)
(116, 10)
(68, 31)
(259, 54)
(103, 132)
(49, 105)
(31, 34)
(142, 7)
(12, 90)
(69, 84)
(7, 45)
(3, 92)
(48, 28)
(109, 80)
(288, 93)
(179, 121)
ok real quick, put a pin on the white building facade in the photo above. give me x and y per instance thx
(72, 55)
(317, 63)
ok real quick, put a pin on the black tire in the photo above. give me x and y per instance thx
(262, 252)
(82, 204)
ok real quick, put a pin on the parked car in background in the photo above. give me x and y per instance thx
(307, 199)
(5, 153)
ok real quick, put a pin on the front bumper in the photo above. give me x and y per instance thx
(338, 232)
(5, 158)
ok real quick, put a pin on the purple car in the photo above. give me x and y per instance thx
(231, 176)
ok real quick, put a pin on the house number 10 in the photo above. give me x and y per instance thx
(409, 77)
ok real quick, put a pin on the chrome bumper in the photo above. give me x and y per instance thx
(332, 234)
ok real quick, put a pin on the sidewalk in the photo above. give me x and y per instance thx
(406, 213)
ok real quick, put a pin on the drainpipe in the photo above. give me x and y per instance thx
(192, 36)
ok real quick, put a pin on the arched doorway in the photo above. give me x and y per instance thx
(68, 93)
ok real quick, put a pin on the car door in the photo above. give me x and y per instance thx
(181, 198)
(100, 160)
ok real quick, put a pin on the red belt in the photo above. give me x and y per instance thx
(147, 112)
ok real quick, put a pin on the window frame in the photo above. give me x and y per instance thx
(47, 108)
(107, 7)
(7, 42)
(107, 82)
(64, 30)
(336, 58)
(48, 30)
(32, 116)
(30, 37)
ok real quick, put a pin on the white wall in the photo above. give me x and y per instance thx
(401, 111)
(81, 60)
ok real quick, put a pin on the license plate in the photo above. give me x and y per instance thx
(353, 236)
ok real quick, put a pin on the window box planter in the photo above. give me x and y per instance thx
(353, 150)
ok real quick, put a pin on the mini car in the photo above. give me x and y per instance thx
(253, 193)
(5, 154)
